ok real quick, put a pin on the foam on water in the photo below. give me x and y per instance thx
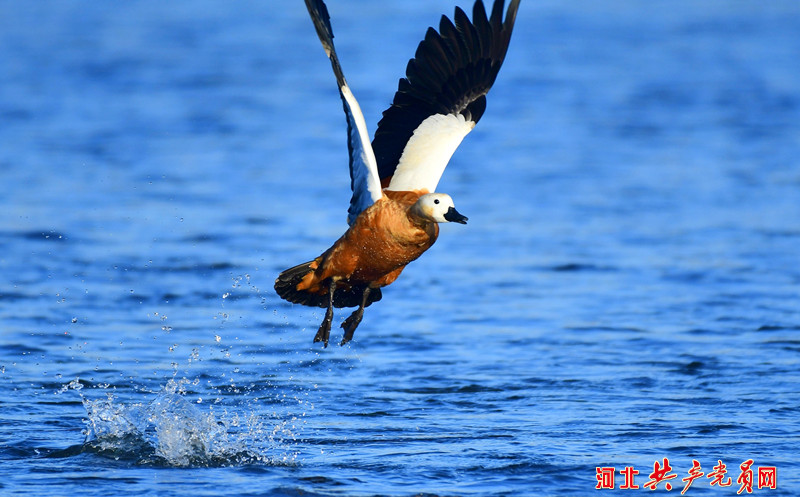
(170, 430)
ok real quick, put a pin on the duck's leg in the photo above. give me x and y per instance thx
(324, 332)
(351, 323)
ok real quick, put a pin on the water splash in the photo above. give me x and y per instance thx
(170, 430)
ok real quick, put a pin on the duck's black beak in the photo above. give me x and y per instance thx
(453, 216)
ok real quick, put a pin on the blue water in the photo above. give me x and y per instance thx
(627, 288)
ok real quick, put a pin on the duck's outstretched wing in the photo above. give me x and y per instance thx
(442, 96)
(363, 166)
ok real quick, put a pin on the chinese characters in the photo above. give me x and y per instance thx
(763, 477)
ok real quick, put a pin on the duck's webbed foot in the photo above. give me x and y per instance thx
(351, 323)
(324, 333)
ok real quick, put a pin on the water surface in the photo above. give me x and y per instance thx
(627, 288)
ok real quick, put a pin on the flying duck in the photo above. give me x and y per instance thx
(395, 210)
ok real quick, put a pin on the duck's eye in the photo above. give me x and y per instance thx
(436, 201)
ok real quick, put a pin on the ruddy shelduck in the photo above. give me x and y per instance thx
(394, 212)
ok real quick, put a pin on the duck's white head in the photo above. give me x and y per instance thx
(437, 207)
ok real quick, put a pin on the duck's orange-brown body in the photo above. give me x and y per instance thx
(375, 249)
(371, 254)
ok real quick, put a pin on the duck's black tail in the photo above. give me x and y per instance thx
(286, 286)
(345, 296)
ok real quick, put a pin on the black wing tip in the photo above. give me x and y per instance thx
(451, 72)
(511, 13)
(463, 40)
(322, 20)
(322, 24)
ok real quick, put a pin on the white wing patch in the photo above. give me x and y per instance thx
(428, 151)
(367, 176)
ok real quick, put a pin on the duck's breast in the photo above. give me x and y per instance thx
(384, 239)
